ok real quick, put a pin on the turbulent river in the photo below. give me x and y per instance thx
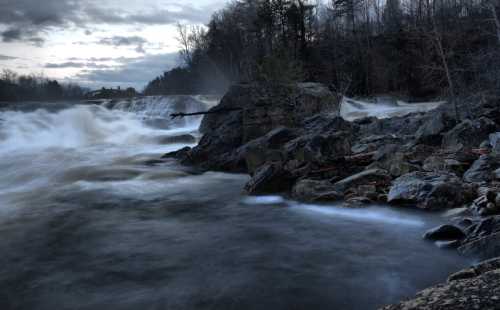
(90, 219)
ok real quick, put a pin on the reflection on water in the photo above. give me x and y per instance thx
(88, 223)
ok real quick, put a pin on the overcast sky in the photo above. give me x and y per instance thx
(96, 42)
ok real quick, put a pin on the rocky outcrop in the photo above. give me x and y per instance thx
(473, 288)
(250, 112)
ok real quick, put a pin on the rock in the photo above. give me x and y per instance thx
(318, 148)
(476, 270)
(375, 177)
(481, 170)
(177, 139)
(269, 106)
(484, 247)
(315, 191)
(266, 148)
(439, 163)
(472, 288)
(430, 132)
(181, 154)
(428, 190)
(494, 142)
(444, 232)
(468, 134)
(270, 178)
(496, 174)
(253, 111)
(483, 239)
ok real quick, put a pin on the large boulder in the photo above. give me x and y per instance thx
(250, 111)
(428, 190)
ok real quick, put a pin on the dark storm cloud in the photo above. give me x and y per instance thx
(133, 71)
(28, 20)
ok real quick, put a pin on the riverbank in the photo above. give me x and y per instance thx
(292, 140)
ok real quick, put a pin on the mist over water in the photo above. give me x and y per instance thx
(91, 219)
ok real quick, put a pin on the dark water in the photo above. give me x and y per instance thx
(87, 223)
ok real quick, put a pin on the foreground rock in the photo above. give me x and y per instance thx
(473, 288)
(428, 190)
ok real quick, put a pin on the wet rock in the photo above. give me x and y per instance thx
(444, 232)
(428, 190)
(270, 178)
(472, 288)
(468, 134)
(315, 191)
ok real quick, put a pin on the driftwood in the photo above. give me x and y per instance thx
(223, 110)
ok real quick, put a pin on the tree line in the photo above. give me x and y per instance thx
(416, 48)
(14, 87)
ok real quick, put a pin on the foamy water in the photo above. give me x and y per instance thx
(352, 109)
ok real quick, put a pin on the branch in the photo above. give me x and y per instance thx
(223, 110)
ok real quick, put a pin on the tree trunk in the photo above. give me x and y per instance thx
(442, 56)
(495, 18)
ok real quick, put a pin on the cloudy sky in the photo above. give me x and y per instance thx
(96, 42)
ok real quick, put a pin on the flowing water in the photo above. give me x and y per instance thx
(91, 219)
(383, 107)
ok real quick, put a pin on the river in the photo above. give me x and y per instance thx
(90, 219)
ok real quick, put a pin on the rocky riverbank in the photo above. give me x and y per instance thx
(292, 140)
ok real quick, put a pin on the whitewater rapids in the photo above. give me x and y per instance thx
(383, 107)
